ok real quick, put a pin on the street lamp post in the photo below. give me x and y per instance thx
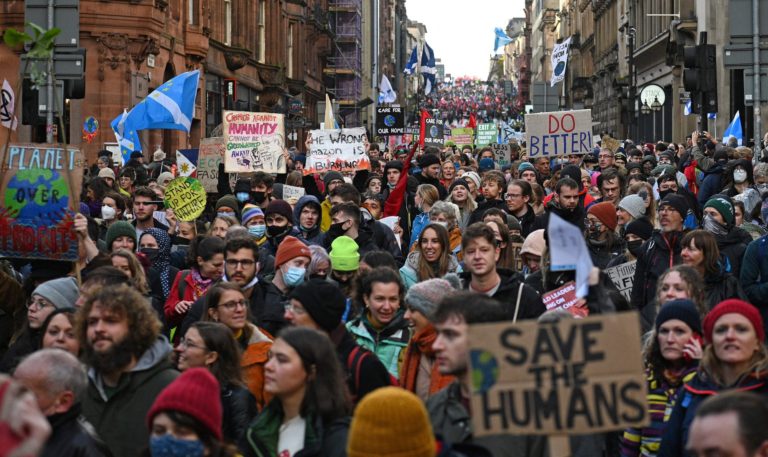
(655, 107)
(645, 109)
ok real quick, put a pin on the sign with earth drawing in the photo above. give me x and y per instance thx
(390, 120)
(40, 185)
(575, 376)
(433, 133)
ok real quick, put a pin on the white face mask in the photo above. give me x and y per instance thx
(107, 213)
(739, 176)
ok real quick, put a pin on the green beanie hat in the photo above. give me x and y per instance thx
(723, 206)
(118, 229)
(344, 255)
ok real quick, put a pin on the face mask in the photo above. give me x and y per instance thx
(294, 276)
(711, 225)
(225, 214)
(740, 176)
(151, 253)
(169, 446)
(634, 247)
(336, 229)
(762, 188)
(307, 229)
(258, 197)
(317, 276)
(593, 232)
(257, 230)
(242, 197)
(107, 213)
(276, 231)
(664, 193)
(391, 186)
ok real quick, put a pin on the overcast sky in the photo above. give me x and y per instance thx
(461, 32)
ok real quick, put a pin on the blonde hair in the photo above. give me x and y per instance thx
(712, 367)
(138, 276)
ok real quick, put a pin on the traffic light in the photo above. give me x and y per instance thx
(700, 76)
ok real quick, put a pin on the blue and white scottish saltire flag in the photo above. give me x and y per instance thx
(413, 61)
(127, 137)
(171, 107)
(428, 68)
(712, 116)
(734, 130)
(687, 110)
(386, 93)
(501, 39)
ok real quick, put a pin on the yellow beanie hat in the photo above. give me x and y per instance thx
(391, 422)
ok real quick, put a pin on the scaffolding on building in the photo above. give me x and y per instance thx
(344, 67)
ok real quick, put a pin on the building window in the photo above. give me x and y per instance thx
(193, 6)
(212, 103)
(262, 30)
(290, 51)
(228, 22)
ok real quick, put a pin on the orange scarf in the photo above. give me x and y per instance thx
(421, 343)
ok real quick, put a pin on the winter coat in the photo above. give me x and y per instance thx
(419, 222)
(192, 291)
(711, 184)
(452, 422)
(410, 271)
(479, 212)
(313, 236)
(688, 401)
(119, 413)
(722, 286)
(388, 343)
(272, 243)
(575, 217)
(420, 352)
(531, 306)
(73, 436)
(754, 275)
(255, 356)
(325, 215)
(28, 342)
(732, 245)
(527, 221)
(320, 439)
(442, 192)
(602, 254)
(369, 376)
(238, 408)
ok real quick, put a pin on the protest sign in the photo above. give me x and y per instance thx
(390, 120)
(209, 156)
(253, 142)
(564, 298)
(41, 185)
(462, 136)
(558, 133)
(568, 251)
(609, 143)
(292, 193)
(623, 277)
(571, 377)
(433, 133)
(486, 134)
(502, 153)
(337, 150)
(186, 197)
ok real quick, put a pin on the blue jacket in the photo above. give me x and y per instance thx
(313, 236)
(754, 274)
(710, 185)
(419, 222)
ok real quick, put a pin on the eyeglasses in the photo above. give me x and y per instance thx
(38, 303)
(185, 344)
(295, 309)
(234, 304)
(511, 196)
(142, 203)
(244, 262)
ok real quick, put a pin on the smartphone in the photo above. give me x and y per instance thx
(696, 337)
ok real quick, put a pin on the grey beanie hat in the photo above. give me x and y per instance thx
(424, 296)
(61, 292)
(634, 205)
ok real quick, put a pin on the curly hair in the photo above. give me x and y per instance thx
(127, 303)
(693, 281)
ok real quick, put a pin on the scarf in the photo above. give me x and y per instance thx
(163, 262)
(421, 344)
(201, 284)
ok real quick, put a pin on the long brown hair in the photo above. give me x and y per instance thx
(707, 244)
(218, 338)
(425, 270)
(507, 253)
(213, 297)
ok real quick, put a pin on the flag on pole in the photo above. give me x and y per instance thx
(734, 130)
(413, 61)
(330, 119)
(559, 61)
(185, 165)
(386, 93)
(687, 110)
(8, 107)
(501, 39)
(428, 68)
(127, 137)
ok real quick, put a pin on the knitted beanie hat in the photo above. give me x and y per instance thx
(290, 248)
(118, 229)
(677, 202)
(332, 176)
(62, 292)
(474, 177)
(723, 206)
(107, 172)
(280, 207)
(391, 422)
(634, 205)
(524, 166)
(733, 306)
(250, 211)
(195, 393)
(640, 227)
(681, 309)
(424, 296)
(344, 254)
(323, 300)
(396, 164)
(605, 212)
(428, 160)
(458, 182)
(486, 164)
(229, 201)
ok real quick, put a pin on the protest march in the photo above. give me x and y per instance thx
(464, 274)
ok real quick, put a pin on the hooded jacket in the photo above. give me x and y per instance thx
(531, 306)
(722, 286)
(575, 216)
(119, 414)
(255, 354)
(388, 344)
(732, 246)
(479, 212)
(312, 236)
(527, 221)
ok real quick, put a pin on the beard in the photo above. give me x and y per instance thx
(118, 356)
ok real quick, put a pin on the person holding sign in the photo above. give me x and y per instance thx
(671, 359)
(735, 358)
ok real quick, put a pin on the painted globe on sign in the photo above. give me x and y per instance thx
(433, 131)
(560, 68)
(389, 120)
(485, 370)
(37, 194)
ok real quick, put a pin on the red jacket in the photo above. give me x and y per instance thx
(192, 291)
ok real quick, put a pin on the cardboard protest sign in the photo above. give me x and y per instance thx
(209, 156)
(186, 197)
(502, 153)
(337, 150)
(610, 143)
(433, 133)
(462, 136)
(486, 134)
(558, 133)
(390, 120)
(253, 142)
(575, 376)
(292, 193)
(564, 298)
(40, 188)
(623, 277)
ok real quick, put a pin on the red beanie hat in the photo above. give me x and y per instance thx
(606, 213)
(290, 248)
(195, 393)
(733, 306)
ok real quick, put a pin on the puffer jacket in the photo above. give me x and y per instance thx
(238, 408)
(388, 343)
(410, 271)
(255, 356)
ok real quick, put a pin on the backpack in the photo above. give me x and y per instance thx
(355, 364)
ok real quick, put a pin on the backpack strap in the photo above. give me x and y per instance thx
(355, 364)
(183, 283)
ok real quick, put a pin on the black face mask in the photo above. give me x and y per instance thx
(664, 193)
(258, 197)
(276, 231)
(151, 253)
(336, 229)
(317, 276)
(634, 247)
